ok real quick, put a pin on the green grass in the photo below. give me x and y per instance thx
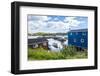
(69, 52)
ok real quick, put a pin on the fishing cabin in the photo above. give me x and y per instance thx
(78, 38)
(38, 42)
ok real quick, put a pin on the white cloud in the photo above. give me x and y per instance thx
(59, 25)
(71, 21)
(37, 18)
(36, 23)
(56, 19)
(43, 18)
(32, 25)
(42, 24)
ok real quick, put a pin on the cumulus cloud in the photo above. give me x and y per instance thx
(71, 21)
(37, 18)
(57, 26)
(45, 24)
(36, 23)
(32, 25)
(56, 19)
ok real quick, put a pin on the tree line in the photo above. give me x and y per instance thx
(45, 34)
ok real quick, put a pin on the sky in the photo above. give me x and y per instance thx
(55, 24)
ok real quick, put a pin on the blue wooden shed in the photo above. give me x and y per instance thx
(78, 38)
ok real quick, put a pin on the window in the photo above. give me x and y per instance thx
(74, 40)
(71, 33)
(76, 33)
(83, 33)
(82, 40)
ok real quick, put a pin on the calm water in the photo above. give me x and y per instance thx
(30, 37)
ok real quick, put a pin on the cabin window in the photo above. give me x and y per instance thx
(83, 33)
(71, 33)
(82, 40)
(76, 33)
(74, 40)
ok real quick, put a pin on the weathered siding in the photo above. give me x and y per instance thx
(79, 39)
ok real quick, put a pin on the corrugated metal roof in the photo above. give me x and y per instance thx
(79, 30)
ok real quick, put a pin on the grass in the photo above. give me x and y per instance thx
(69, 52)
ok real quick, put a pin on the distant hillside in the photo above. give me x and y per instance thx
(45, 34)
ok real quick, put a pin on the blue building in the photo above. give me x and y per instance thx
(78, 38)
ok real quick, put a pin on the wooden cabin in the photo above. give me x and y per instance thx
(78, 38)
(38, 42)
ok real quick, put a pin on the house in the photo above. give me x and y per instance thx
(38, 42)
(78, 38)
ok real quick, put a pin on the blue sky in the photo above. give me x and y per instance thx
(55, 24)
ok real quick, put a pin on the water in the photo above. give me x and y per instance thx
(30, 37)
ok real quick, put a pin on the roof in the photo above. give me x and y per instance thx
(79, 30)
(59, 39)
(37, 40)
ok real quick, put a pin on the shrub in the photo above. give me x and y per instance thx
(69, 51)
(41, 54)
